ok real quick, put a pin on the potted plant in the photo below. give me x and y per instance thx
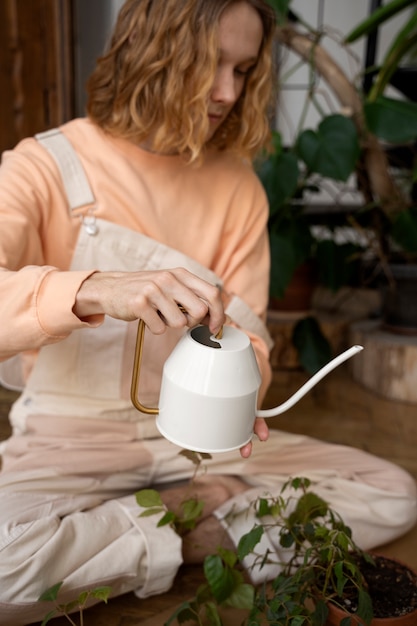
(300, 261)
(388, 217)
(322, 577)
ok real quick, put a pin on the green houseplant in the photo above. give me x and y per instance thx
(320, 566)
(387, 219)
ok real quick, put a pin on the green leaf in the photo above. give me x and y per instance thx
(212, 614)
(310, 506)
(279, 176)
(50, 595)
(229, 556)
(314, 350)
(404, 229)
(291, 245)
(248, 541)
(48, 617)
(101, 593)
(394, 121)
(82, 598)
(337, 264)
(321, 612)
(286, 540)
(378, 17)
(149, 498)
(333, 149)
(264, 507)
(281, 9)
(365, 606)
(191, 509)
(185, 612)
(220, 578)
(168, 518)
(242, 597)
(340, 577)
(151, 511)
(195, 457)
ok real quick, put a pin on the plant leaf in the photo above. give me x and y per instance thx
(314, 350)
(101, 593)
(149, 498)
(404, 229)
(191, 509)
(378, 17)
(248, 541)
(333, 149)
(212, 614)
(220, 578)
(48, 617)
(365, 606)
(228, 556)
(168, 518)
(50, 595)
(281, 9)
(279, 175)
(291, 243)
(393, 120)
(195, 457)
(337, 263)
(242, 597)
(151, 511)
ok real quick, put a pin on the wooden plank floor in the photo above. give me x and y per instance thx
(338, 410)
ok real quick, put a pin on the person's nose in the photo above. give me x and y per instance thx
(224, 88)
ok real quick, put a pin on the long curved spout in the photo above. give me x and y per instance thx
(310, 383)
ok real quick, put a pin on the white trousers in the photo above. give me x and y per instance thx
(85, 530)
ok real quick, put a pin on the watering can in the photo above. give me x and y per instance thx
(209, 389)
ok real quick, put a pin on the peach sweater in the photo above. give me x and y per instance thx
(215, 213)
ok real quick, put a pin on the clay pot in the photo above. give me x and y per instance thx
(390, 570)
(399, 301)
(336, 615)
(299, 293)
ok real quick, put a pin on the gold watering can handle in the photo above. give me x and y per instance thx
(135, 374)
(136, 368)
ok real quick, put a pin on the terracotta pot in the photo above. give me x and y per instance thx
(399, 302)
(336, 615)
(299, 293)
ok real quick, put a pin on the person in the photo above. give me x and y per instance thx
(147, 203)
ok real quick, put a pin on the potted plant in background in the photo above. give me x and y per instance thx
(388, 217)
(299, 260)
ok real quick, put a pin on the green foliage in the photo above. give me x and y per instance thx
(80, 603)
(394, 121)
(189, 510)
(323, 561)
(404, 230)
(313, 349)
(332, 150)
(281, 9)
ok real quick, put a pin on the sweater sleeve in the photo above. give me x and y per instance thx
(36, 295)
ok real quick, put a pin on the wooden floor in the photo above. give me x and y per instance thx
(338, 410)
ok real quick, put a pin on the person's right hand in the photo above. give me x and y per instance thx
(154, 297)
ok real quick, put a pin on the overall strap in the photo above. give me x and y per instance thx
(75, 181)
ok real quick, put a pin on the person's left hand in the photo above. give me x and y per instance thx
(262, 432)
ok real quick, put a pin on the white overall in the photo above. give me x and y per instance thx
(80, 451)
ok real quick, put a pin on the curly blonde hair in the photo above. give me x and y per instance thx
(156, 78)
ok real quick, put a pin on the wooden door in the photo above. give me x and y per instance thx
(36, 67)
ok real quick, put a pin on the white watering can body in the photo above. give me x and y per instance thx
(209, 390)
